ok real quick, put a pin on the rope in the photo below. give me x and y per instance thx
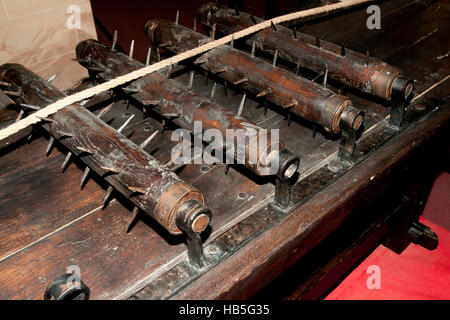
(88, 93)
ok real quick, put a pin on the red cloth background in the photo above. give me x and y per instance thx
(416, 274)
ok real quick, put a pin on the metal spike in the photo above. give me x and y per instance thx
(149, 54)
(84, 177)
(274, 29)
(232, 41)
(46, 119)
(263, 93)
(131, 50)
(64, 134)
(265, 107)
(289, 118)
(19, 116)
(107, 195)
(12, 93)
(113, 47)
(213, 32)
(191, 80)
(253, 49)
(66, 161)
(317, 42)
(171, 115)
(85, 150)
(314, 130)
(169, 70)
(177, 17)
(195, 24)
(294, 33)
(245, 79)
(52, 78)
(104, 110)
(227, 167)
(137, 190)
(206, 77)
(325, 78)
(317, 77)
(213, 91)
(125, 123)
(158, 54)
(134, 214)
(30, 106)
(297, 69)
(225, 88)
(165, 44)
(49, 146)
(292, 104)
(236, 10)
(241, 106)
(275, 56)
(111, 169)
(342, 50)
(149, 139)
(253, 20)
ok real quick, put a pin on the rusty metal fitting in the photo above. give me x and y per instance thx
(288, 164)
(402, 87)
(193, 216)
(330, 116)
(170, 203)
(383, 79)
(352, 118)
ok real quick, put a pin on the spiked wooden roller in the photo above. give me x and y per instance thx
(153, 188)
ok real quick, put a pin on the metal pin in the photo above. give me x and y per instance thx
(195, 24)
(317, 77)
(171, 115)
(165, 44)
(46, 119)
(108, 193)
(85, 150)
(125, 123)
(213, 91)
(52, 78)
(241, 106)
(253, 49)
(131, 50)
(289, 118)
(49, 146)
(225, 88)
(177, 17)
(104, 110)
(113, 47)
(158, 54)
(292, 104)
(227, 167)
(263, 93)
(317, 42)
(66, 161)
(149, 54)
(294, 33)
(274, 29)
(236, 10)
(297, 69)
(149, 139)
(137, 190)
(12, 93)
(325, 78)
(314, 130)
(30, 106)
(84, 177)
(274, 62)
(265, 107)
(342, 50)
(64, 134)
(253, 20)
(245, 79)
(169, 70)
(19, 116)
(213, 31)
(206, 77)
(191, 80)
(111, 169)
(134, 214)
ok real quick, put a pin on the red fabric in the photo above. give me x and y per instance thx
(416, 274)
